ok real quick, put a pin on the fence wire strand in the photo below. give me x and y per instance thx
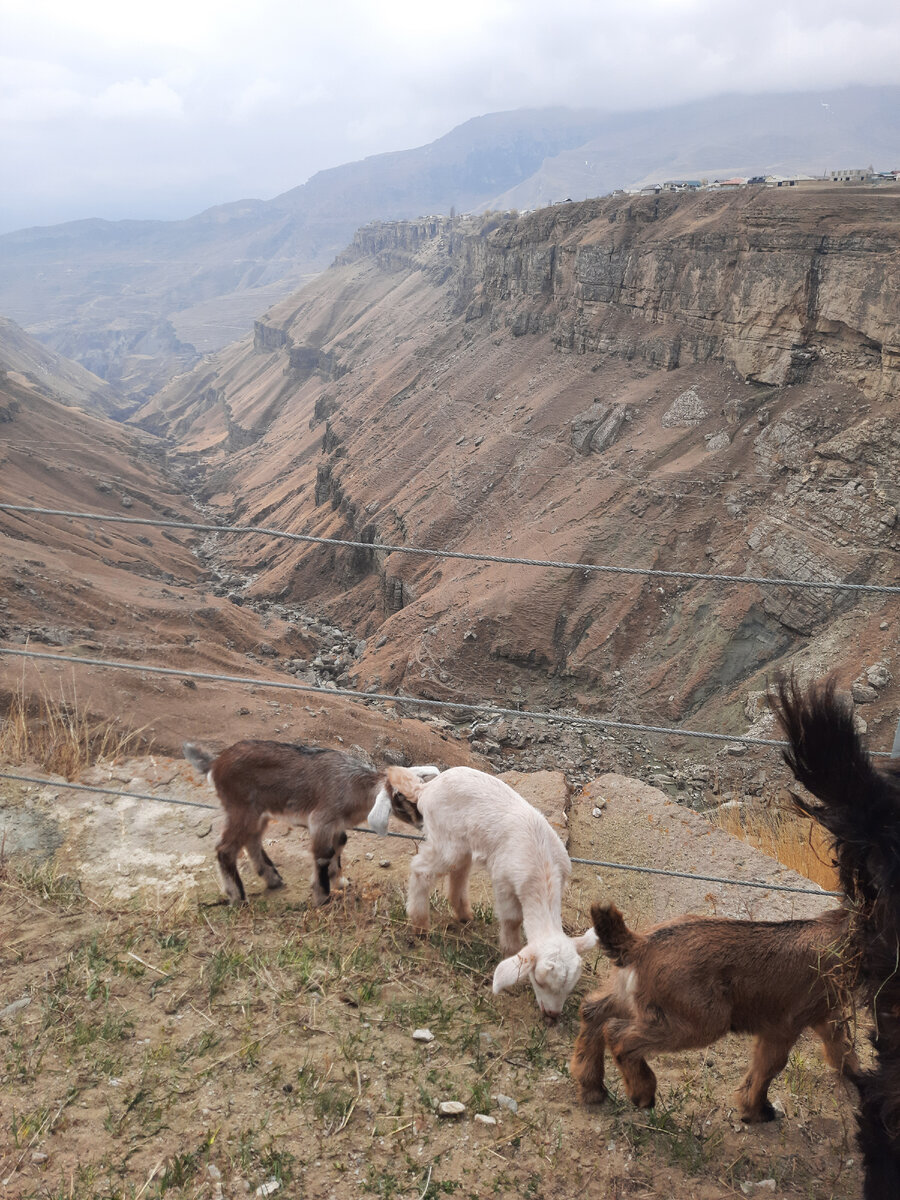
(411, 837)
(392, 698)
(469, 556)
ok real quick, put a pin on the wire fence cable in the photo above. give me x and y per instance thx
(391, 698)
(410, 837)
(470, 556)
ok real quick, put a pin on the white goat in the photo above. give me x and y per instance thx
(470, 817)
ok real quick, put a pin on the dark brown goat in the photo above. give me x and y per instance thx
(685, 984)
(325, 790)
(860, 807)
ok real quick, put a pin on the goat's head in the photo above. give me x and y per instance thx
(552, 965)
(403, 787)
(398, 794)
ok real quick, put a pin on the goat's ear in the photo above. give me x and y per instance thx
(426, 773)
(513, 970)
(586, 941)
(380, 812)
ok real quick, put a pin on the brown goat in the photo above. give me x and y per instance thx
(685, 984)
(325, 790)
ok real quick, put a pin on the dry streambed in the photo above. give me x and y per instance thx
(155, 1043)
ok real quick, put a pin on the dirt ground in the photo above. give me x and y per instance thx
(156, 1043)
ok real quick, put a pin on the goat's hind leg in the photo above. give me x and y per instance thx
(227, 852)
(323, 839)
(458, 890)
(261, 861)
(337, 879)
(628, 1044)
(586, 1066)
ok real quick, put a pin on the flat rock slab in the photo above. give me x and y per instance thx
(642, 826)
(548, 791)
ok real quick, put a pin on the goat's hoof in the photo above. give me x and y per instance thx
(765, 1112)
(593, 1095)
(274, 884)
(321, 901)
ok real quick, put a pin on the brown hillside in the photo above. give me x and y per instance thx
(146, 595)
(704, 383)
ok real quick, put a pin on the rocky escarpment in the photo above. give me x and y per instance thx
(768, 283)
(649, 383)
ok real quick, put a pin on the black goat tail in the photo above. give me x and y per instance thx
(859, 804)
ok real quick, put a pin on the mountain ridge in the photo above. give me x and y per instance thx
(139, 301)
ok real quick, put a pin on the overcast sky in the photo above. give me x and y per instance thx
(165, 108)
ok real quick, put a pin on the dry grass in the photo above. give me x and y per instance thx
(165, 1049)
(56, 735)
(775, 828)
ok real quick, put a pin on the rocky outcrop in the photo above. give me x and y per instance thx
(770, 284)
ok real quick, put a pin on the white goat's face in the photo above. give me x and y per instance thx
(555, 972)
(553, 967)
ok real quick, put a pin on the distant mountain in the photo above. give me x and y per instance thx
(137, 302)
(809, 132)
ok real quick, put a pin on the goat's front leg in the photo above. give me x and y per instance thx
(586, 1066)
(422, 878)
(509, 913)
(768, 1058)
(838, 1043)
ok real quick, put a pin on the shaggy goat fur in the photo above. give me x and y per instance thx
(470, 817)
(685, 984)
(325, 790)
(860, 807)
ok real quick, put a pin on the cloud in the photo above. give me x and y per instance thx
(228, 99)
(135, 98)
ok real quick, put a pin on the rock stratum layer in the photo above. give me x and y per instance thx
(703, 384)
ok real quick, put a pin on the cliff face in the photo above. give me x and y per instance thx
(701, 383)
(766, 281)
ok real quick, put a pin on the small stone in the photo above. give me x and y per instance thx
(16, 1006)
(38, 1156)
(596, 811)
(451, 1108)
(485, 1119)
(878, 676)
(213, 1171)
(736, 749)
(506, 1102)
(369, 855)
(423, 1035)
(863, 694)
(385, 862)
(268, 1188)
